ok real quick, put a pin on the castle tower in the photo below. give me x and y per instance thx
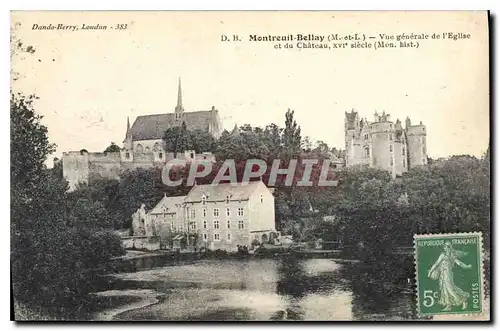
(416, 139)
(382, 140)
(352, 130)
(127, 150)
(179, 109)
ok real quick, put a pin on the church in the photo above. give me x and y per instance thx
(143, 145)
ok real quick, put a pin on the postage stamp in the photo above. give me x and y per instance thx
(449, 273)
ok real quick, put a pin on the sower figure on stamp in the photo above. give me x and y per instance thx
(442, 270)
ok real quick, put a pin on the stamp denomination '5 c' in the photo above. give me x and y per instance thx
(449, 273)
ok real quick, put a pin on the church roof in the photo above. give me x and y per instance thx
(221, 191)
(151, 127)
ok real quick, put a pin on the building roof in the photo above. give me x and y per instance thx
(152, 127)
(167, 205)
(221, 191)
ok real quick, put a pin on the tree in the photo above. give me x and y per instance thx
(291, 136)
(183, 142)
(202, 141)
(113, 148)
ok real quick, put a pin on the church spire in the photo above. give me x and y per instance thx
(128, 125)
(179, 109)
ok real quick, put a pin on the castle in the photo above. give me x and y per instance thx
(143, 146)
(383, 143)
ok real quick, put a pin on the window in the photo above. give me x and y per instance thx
(193, 225)
(261, 198)
(423, 150)
(392, 162)
(216, 224)
(390, 148)
(177, 116)
(240, 224)
(203, 199)
(390, 136)
(181, 227)
(216, 236)
(147, 149)
(205, 237)
(172, 226)
(204, 212)
(192, 155)
(404, 163)
(193, 213)
(228, 224)
(127, 155)
(367, 151)
(160, 155)
(240, 211)
(139, 148)
(366, 136)
(204, 224)
(227, 198)
(404, 151)
(228, 212)
(216, 212)
(228, 237)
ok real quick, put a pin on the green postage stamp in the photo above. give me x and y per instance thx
(449, 273)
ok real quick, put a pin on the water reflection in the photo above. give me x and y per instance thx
(271, 289)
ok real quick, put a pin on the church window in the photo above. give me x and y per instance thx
(367, 152)
(139, 148)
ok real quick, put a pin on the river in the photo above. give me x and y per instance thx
(262, 289)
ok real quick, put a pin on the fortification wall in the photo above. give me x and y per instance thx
(105, 165)
(75, 168)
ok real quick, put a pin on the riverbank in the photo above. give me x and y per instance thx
(145, 297)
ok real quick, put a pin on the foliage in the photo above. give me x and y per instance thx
(113, 148)
(53, 261)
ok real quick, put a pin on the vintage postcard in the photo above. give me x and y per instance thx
(250, 166)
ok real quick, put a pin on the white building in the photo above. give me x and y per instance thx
(217, 216)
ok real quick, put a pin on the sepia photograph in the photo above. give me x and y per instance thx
(250, 166)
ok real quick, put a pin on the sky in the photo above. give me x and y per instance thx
(89, 81)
